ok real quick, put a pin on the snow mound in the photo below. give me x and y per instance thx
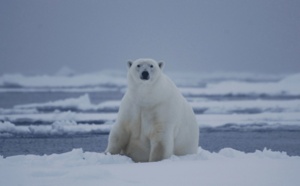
(227, 167)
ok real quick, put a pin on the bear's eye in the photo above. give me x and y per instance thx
(138, 66)
(151, 66)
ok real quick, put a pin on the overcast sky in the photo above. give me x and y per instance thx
(40, 36)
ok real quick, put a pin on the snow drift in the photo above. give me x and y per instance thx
(227, 167)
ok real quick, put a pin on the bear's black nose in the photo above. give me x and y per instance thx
(145, 75)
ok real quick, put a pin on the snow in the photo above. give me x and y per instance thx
(58, 128)
(227, 167)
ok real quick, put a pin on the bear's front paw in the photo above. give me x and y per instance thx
(107, 153)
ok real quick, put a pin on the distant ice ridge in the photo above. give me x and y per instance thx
(192, 84)
(58, 128)
(227, 167)
(48, 118)
(114, 78)
(83, 103)
(286, 86)
(66, 77)
(80, 123)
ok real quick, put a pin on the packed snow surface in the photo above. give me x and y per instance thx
(227, 167)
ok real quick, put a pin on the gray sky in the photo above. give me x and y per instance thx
(40, 36)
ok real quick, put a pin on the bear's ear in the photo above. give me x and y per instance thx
(129, 64)
(161, 64)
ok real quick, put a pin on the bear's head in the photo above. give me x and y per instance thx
(144, 70)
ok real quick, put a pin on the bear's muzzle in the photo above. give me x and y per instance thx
(145, 75)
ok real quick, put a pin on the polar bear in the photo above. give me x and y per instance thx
(154, 120)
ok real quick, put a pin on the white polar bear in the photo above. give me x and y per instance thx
(154, 120)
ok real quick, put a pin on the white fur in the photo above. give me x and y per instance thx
(154, 120)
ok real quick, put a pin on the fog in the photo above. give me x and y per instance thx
(39, 37)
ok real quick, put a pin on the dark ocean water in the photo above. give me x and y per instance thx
(287, 141)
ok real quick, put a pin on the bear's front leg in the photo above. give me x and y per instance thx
(118, 139)
(160, 149)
